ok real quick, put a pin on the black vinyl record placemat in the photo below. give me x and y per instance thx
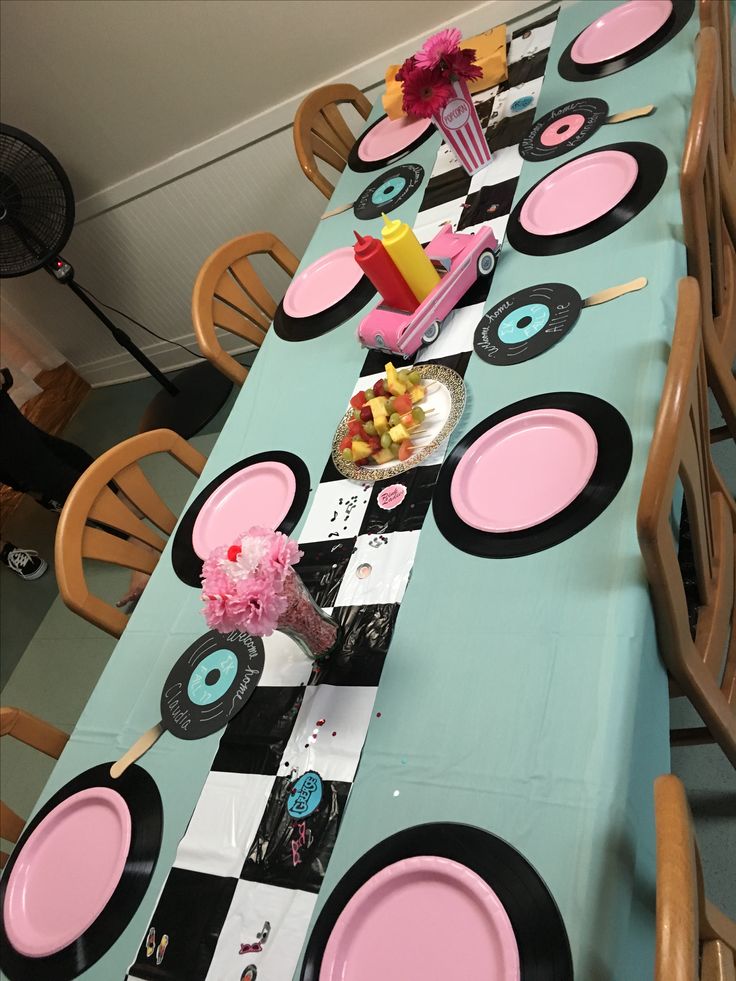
(572, 71)
(615, 449)
(360, 166)
(592, 112)
(210, 683)
(185, 561)
(142, 797)
(527, 323)
(544, 949)
(388, 191)
(652, 170)
(291, 328)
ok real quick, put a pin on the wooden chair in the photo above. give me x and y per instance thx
(40, 735)
(700, 667)
(229, 294)
(695, 941)
(91, 498)
(711, 253)
(320, 131)
(716, 14)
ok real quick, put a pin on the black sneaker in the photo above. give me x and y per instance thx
(25, 562)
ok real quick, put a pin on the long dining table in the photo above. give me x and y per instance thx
(522, 695)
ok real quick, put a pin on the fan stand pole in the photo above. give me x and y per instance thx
(187, 403)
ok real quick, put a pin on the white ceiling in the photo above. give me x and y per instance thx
(113, 86)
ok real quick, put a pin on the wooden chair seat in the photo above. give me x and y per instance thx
(37, 734)
(320, 131)
(229, 294)
(122, 531)
(702, 665)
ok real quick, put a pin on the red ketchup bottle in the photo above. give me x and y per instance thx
(376, 263)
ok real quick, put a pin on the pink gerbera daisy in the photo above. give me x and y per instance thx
(437, 48)
(426, 92)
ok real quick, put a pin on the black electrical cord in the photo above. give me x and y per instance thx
(148, 330)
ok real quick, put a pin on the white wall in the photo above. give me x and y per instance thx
(165, 179)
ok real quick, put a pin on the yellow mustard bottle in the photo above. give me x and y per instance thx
(409, 257)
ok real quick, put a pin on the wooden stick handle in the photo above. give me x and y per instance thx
(613, 291)
(337, 211)
(621, 117)
(139, 747)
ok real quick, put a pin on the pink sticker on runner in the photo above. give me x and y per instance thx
(391, 497)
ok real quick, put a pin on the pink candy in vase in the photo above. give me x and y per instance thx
(252, 586)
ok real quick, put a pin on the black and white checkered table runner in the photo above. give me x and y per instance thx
(245, 863)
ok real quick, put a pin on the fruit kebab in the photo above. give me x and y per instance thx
(384, 418)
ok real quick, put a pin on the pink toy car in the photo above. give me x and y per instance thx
(459, 258)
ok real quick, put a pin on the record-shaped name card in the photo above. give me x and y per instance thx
(532, 475)
(528, 323)
(386, 192)
(587, 198)
(321, 297)
(209, 684)
(569, 126)
(622, 37)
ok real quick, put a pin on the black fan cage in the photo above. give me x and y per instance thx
(36, 204)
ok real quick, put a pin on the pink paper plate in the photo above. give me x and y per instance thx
(259, 495)
(561, 129)
(579, 192)
(391, 136)
(620, 30)
(524, 470)
(67, 872)
(422, 918)
(323, 284)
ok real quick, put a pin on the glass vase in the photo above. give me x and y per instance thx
(315, 631)
(459, 124)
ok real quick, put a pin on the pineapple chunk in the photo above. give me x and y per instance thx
(417, 393)
(378, 406)
(383, 456)
(394, 385)
(398, 434)
(360, 450)
(381, 424)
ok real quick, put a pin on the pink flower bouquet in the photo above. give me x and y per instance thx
(434, 83)
(251, 585)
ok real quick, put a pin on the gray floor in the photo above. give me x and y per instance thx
(50, 659)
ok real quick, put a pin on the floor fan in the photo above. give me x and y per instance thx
(36, 220)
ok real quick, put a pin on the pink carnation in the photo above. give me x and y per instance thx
(438, 47)
(243, 584)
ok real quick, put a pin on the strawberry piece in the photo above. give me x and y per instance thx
(358, 400)
(402, 404)
(354, 427)
(346, 443)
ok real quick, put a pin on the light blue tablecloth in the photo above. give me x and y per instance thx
(525, 695)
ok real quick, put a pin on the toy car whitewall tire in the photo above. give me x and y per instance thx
(486, 262)
(432, 332)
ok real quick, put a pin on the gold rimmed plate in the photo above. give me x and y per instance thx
(445, 398)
